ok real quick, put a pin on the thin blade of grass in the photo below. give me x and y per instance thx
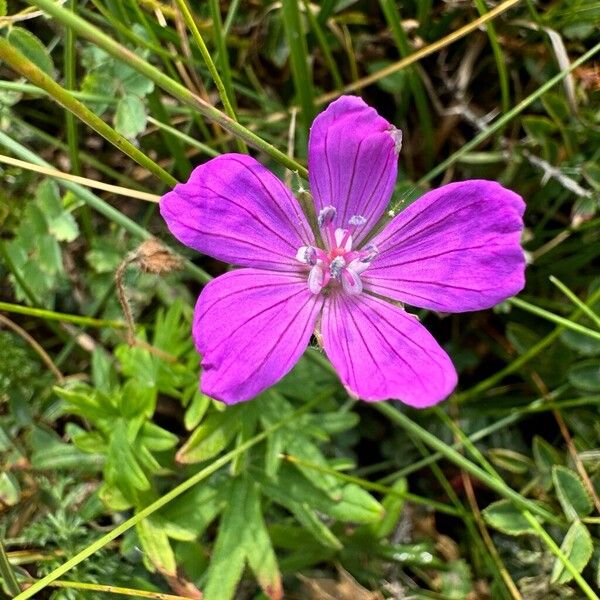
(27, 69)
(84, 29)
(303, 83)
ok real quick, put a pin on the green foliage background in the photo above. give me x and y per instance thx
(117, 471)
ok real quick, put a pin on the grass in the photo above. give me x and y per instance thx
(120, 477)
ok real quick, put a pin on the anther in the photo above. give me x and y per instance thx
(397, 137)
(357, 221)
(310, 255)
(326, 216)
(336, 266)
(369, 253)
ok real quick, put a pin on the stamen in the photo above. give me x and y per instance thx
(357, 220)
(351, 282)
(326, 216)
(310, 255)
(316, 280)
(397, 137)
(336, 266)
(369, 253)
(325, 221)
(354, 222)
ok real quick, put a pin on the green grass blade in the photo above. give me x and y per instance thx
(498, 57)
(84, 29)
(303, 83)
(26, 68)
(223, 85)
(507, 117)
(392, 16)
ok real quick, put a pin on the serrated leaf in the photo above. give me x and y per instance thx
(130, 117)
(32, 48)
(229, 555)
(505, 517)
(123, 468)
(352, 504)
(313, 525)
(212, 436)
(156, 546)
(187, 516)
(572, 495)
(577, 546)
(259, 549)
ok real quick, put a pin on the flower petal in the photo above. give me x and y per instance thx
(251, 327)
(352, 162)
(382, 352)
(236, 210)
(455, 249)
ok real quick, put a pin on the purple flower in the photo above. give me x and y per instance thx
(455, 249)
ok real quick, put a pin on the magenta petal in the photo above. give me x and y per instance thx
(251, 327)
(455, 249)
(235, 210)
(381, 352)
(352, 162)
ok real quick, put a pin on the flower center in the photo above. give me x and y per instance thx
(336, 265)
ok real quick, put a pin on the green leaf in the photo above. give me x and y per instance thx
(229, 554)
(572, 495)
(155, 543)
(2, 8)
(88, 403)
(585, 375)
(130, 116)
(32, 48)
(456, 580)
(393, 504)
(509, 460)
(580, 342)
(258, 546)
(505, 517)
(196, 409)
(577, 547)
(539, 128)
(545, 457)
(156, 438)
(98, 83)
(210, 437)
(10, 491)
(351, 503)
(190, 514)
(123, 468)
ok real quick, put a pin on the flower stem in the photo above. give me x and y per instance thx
(51, 315)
